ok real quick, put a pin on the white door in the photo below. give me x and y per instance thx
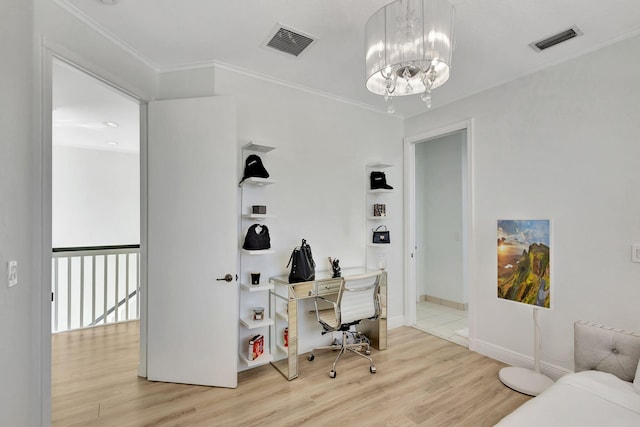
(192, 334)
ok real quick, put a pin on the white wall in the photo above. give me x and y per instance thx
(96, 197)
(19, 377)
(189, 83)
(439, 217)
(323, 146)
(561, 144)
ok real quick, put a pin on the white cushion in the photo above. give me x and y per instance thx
(636, 381)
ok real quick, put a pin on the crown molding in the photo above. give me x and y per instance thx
(84, 18)
(317, 92)
(210, 63)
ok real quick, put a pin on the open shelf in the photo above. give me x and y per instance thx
(262, 360)
(258, 148)
(380, 191)
(283, 316)
(282, 348)
(379, 165)
(249, 323)
(258, 252)
(257, 217)
(257, 181)
(377, 218)
(258, 288)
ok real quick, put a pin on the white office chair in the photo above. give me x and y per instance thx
(358, 299)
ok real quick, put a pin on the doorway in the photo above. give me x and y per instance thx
(438, 233)
(93, 155)
(95, 188)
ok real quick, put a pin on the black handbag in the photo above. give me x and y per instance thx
(303, 267)
(381, 236)
(257, 238)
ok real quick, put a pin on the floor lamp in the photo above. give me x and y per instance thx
(523, 380)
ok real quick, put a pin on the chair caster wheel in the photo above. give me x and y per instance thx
(372, 369)
(367, 352)
(332, 374)
(311, 357)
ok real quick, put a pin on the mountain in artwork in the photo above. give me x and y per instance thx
(525, 277)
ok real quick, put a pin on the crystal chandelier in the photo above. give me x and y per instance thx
(408, 47)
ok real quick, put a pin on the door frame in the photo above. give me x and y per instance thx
(410, 290)
(50, 51)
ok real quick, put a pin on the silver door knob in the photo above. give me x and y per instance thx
(226, 278)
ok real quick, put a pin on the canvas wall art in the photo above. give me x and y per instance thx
(524, 263)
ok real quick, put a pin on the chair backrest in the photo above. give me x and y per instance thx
(358, 297)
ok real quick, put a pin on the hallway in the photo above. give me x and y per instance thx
(444, 322)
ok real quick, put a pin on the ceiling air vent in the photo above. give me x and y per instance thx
(555, 39)
(289, 41)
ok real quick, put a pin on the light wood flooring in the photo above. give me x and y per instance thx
(421, 380)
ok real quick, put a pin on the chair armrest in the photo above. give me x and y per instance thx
(333, 303)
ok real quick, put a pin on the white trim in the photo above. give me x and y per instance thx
(50, 51)
(205, 64)
(395, 322)
(533, 70)
(73, 59)
(144, 233)
(302, 88)
(105, 33)
(515, 359)
(270, 79)
(410, 220)
(409, 232)
(43, 292)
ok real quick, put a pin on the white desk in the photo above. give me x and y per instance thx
(284, 306)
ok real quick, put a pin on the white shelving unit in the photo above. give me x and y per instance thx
(376, 256)
(252, 191)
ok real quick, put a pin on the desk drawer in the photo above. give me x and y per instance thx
(329, 287)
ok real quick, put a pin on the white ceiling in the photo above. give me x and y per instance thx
(82, 108)
(492, 38)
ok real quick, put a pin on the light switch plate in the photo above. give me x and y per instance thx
(12, 270)
(635, 252)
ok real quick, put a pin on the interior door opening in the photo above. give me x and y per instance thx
(95, 188)
(440, 235)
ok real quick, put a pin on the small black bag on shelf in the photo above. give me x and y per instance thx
(303, 267)
(257, 238)
(253, 168)
(381, 236)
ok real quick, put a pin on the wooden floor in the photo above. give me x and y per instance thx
(421, 380)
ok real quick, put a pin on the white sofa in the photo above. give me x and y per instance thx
(604, 390)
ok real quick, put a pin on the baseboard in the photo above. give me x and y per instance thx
(515, 359)
(395, 322)
(445, 302)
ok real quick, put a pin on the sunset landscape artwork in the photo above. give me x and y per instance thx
(524, 262)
